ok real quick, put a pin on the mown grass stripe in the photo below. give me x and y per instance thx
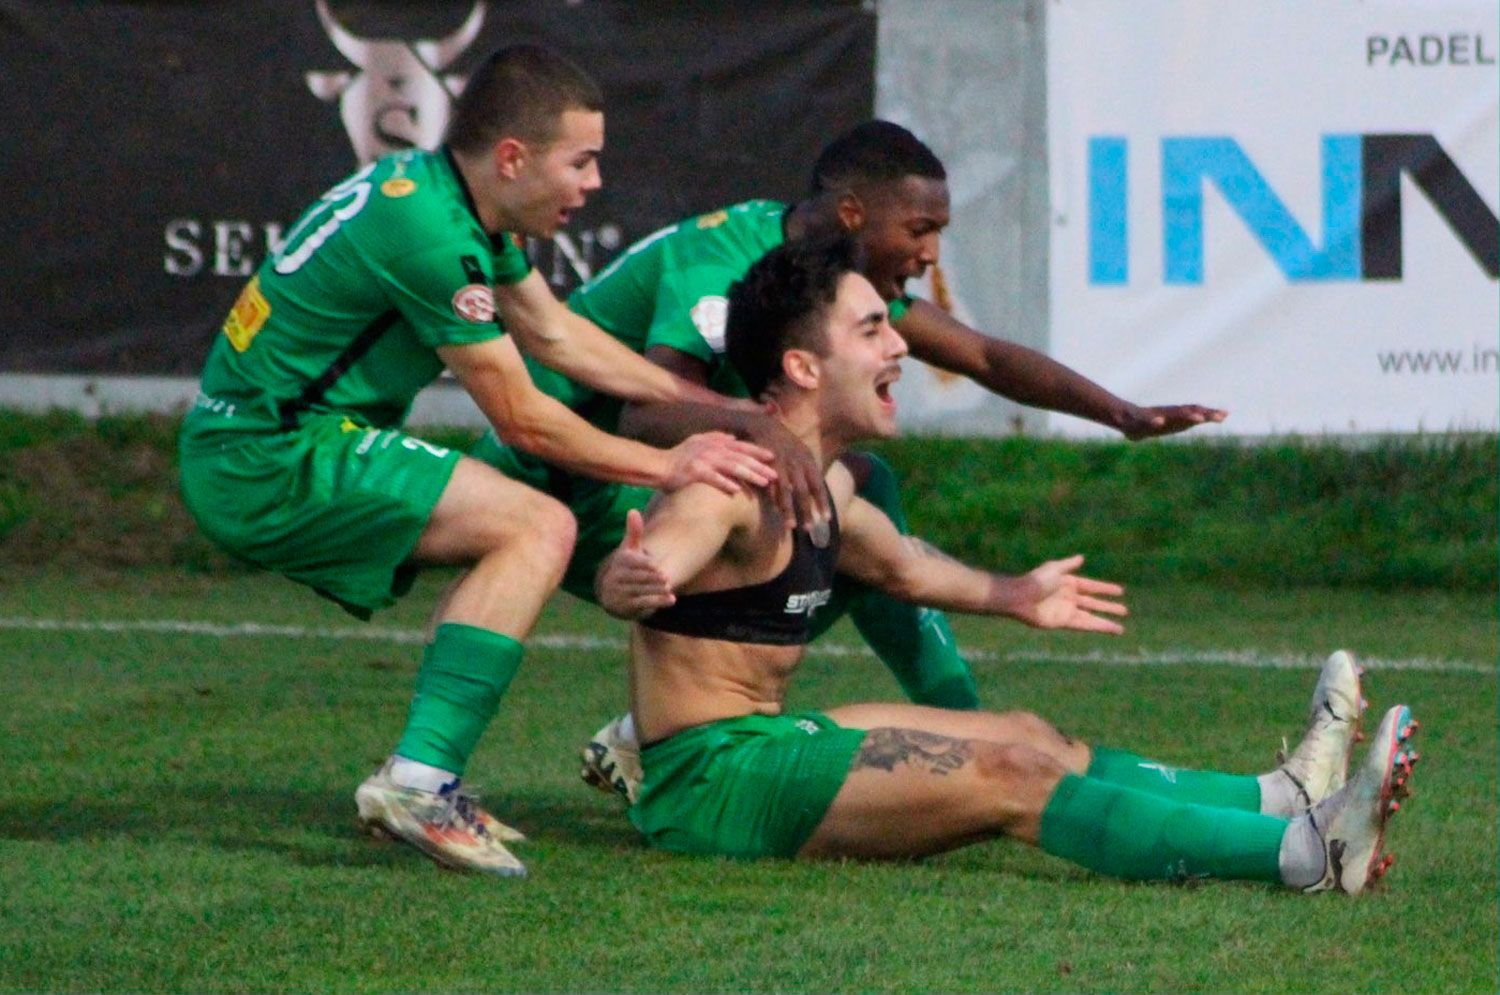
(1249, 658)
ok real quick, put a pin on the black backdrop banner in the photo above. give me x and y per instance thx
(155, 150)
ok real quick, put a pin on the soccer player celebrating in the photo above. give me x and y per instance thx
(294, 459)
(723, 594)
(664, 297)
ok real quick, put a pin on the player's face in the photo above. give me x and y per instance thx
(863, 361)
(557, 178)
(902, 223)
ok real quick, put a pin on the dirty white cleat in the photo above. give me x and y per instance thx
(1351, 823)
(447, 825)
(612, 761)
(1320, 764)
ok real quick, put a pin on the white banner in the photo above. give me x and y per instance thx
(1282, 208)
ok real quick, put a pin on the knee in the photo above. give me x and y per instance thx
(540, 525)
(1014, 762)
(1037, 732)
(1022, 779)
(552, 528)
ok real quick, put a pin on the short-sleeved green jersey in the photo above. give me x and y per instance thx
(347, 314)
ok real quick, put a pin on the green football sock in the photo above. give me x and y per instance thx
(1138, 836)
(915, 643)
(465, 670)
(1195, 787)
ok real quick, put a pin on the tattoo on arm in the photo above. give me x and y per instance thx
(883, 749)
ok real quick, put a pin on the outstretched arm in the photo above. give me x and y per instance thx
(1028, 377)
(1052, 596)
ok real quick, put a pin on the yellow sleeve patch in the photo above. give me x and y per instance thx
(713, 220)
(247, 316)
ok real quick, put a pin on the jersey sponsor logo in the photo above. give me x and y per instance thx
(398, 186)
(401, 96)
(806, 603)
(475, 303)
(247, 317)
(713, 220)
(709, 316)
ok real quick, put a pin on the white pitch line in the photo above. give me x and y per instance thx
(1248, 658)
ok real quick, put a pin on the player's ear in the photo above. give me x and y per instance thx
(510, 155)
(801, 367)
(851, 211)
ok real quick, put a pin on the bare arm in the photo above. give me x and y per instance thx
(1050, 597)
(686, 531)
(571, 344)
(496, 378)
(1028, 377)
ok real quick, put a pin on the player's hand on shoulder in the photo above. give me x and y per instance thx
(630, 583)
(1053, 596)
(798, 491)
(719, 460)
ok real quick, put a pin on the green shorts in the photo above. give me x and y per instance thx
(755, 786)
(332, 504)
(599, 506)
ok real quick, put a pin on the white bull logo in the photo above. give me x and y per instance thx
(400, 98)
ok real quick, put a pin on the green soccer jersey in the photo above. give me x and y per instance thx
(347, 314)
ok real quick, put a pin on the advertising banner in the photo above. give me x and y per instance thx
(157, 150)
(1285, 209)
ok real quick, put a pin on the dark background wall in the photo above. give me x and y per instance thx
(152, 149)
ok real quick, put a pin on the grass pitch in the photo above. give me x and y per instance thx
(176, 810)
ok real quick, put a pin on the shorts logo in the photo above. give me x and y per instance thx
(709, 316)
(248, 315)
(475, 303)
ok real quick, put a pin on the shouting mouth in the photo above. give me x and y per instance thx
(883, 384)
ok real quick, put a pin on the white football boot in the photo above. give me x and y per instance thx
(447, 825)
(1320, 764)
(1351, 822)
(612, 761)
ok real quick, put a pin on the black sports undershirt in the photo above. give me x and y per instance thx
(775, 612)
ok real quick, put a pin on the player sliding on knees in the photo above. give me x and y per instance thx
(722, 592)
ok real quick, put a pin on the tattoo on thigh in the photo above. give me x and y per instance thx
(883, 749)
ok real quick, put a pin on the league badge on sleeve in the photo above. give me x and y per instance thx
(709, 316)
(475, 303)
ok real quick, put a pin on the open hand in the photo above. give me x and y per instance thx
(1053, 597)
(1169, 419)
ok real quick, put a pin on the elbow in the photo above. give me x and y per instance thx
(901, 583)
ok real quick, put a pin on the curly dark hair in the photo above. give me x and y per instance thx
(874, 152)
(780, 304)
(519, 91)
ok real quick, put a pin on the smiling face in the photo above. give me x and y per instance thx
(898, 228)
(552, 181)
(862, 359)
